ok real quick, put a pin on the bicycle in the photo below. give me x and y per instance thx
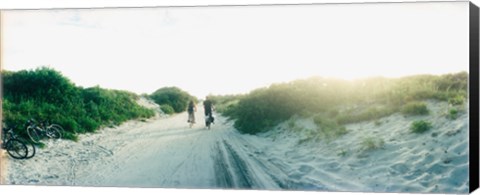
(209, 120)
(43, 129)
(16, 148)
(31, 150)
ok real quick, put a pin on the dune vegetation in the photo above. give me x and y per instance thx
(333, 102)
(172, 99)
(45, 94)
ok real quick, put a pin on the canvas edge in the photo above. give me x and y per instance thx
(473, 87)
(474, 97)
(187, 4)
(2, 152)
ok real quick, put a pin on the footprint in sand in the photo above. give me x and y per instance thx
(333, 166)
(414, 175)
(300, 172)
(437, 169)
(33, 181)
(51, 177)
(305, 169)
(296, 175)
(459, 175)
(427, 159)
(306, 158)
(400, 168)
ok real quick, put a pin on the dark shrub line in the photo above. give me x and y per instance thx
(45, 93)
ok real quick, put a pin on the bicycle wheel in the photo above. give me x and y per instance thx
(60, 128)
(16, 149)
(207, 123)
(54, 132)
(31, 150)
(34, 134)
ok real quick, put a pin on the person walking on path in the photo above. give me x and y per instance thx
(192, 108)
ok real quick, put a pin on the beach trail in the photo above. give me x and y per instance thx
(160, 152)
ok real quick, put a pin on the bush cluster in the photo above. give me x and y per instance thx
(453, 113)
(174, 97)
(415, 108)
(167, 109)
(45, 94)
(371, 143)
(420, 126)
(457, 100)
(225, 104)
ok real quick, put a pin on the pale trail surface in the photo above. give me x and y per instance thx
(164, 152)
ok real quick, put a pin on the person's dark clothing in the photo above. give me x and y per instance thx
(191, 107)
(207, 104)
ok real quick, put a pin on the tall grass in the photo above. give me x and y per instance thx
(329, 128)
(343, 101)
(371, 143)
(415, 108)
(365, 114)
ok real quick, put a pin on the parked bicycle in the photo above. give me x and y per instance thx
(38, 130)
(15, 147)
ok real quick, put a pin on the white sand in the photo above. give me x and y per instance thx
(164, 152)
(435, 161)
(161, 152)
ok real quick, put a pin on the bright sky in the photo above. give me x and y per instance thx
(226, 50)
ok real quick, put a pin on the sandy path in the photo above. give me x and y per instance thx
(163, 152)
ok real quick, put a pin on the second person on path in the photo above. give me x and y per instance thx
(192, 108)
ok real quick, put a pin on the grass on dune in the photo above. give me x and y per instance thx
(337, 102)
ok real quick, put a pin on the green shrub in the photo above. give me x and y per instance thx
(69, 124)
(342, 153)
(452, 113)
(329, 128)
(371, 143)
(167, 109)
(70, 136)
(420, 126)
(452, 82)
(372, 113)
(457, 100)
(174, 97)
(415, 108)
(45, 94)
(88, 125)
(42, 84)
(226, 104)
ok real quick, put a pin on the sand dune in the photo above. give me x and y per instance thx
(435, 161)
